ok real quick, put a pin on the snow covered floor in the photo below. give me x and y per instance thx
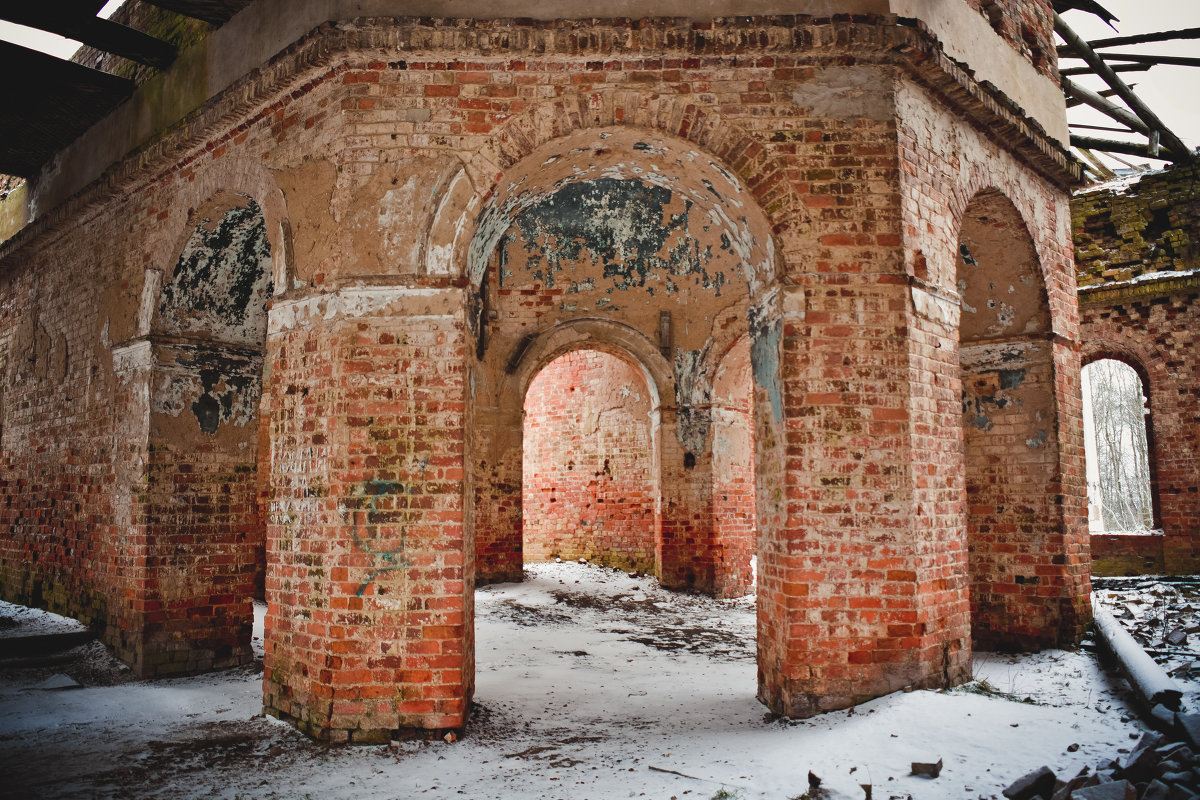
(591, 684)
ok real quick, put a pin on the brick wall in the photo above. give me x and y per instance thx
(1127, 554)
(589, 466)
(448, 209)
(1137, 265)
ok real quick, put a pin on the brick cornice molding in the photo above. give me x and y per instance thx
(333, 48)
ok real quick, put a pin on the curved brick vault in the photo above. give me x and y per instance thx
(765, 214)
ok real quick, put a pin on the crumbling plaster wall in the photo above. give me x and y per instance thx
(1138, 265)
(375, 174)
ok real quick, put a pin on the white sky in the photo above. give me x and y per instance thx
(1169, 91)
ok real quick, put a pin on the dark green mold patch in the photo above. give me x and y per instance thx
(639, 233)
(221, 283)
(219, 386)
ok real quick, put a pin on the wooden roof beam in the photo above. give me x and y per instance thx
(1140, 58)
(1148, 118)
(1073, 71)
(1105, 106)
(1114, 146)
(1141, 38)
(75, 23)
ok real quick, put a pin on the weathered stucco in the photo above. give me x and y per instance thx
(287, 349)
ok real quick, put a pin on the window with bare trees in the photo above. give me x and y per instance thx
(1118, 462)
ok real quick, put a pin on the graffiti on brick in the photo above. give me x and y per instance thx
(372, 504)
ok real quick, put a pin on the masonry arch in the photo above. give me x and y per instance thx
(625, 241)
(1015, 527)
(590, 467)
(203, 499)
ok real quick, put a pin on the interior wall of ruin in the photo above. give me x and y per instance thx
(590, 487)
(728, 205)
(1137, 269)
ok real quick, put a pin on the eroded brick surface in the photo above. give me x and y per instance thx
(449, 207)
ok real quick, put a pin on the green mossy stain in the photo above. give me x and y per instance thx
(220, 285)
(625, 225)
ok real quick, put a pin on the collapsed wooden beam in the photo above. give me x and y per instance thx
(1172, 142)
(1114, 146)
(1072, 71)
(1141, 38)
(1139, 58)
(1105, 106)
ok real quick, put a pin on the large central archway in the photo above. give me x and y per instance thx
(631, 243)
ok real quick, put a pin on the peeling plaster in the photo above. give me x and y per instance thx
(693, 395)
(847, 93)
(221, 283)
(603, 164)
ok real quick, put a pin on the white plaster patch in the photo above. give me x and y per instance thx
(360, 301)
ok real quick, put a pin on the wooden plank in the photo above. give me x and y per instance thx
(1172, 142)
(73, 22)
(52, 103)
(1114, 146)
(1105, 106)
(1072, 71)
(1139, 58)
(1141, 38)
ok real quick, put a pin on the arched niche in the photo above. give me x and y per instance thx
(1010, 431)
(203, 496)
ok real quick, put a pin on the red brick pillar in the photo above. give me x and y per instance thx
(370, 618)
(498, 491)
(853, 592)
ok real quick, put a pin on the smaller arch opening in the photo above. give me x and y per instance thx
(590, 486)
(1117, 448)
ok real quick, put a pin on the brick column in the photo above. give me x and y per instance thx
(685, 548)
(370, 620)
(857, 598)
(498, 494)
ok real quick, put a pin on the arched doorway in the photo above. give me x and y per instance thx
(637, 246)
(1117, 447)
(203, 497)
(590, 481)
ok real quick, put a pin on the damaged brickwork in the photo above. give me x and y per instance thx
(1138, 260)
(302, 336)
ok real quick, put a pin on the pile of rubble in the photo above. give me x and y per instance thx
(1147, 626)
(1161, 767)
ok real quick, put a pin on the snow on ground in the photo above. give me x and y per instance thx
(18, 620)
(590, 684)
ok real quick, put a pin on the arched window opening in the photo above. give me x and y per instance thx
(590, 484)
(1116, 448)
